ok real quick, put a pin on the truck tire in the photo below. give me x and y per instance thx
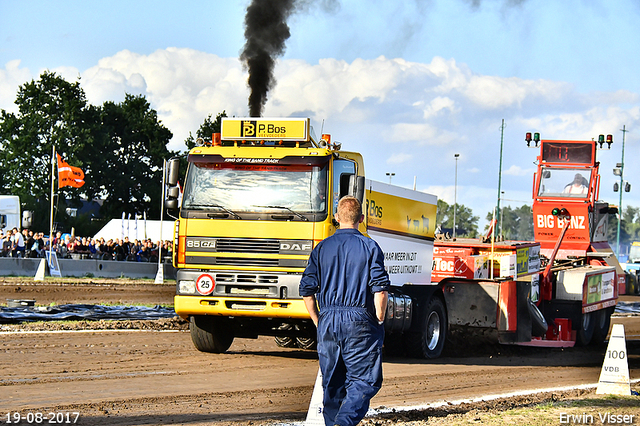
(539, 324)
(306, 342)
(211, 334)
(285, 341)
(602, 323)
(585, 330)
(427, 341)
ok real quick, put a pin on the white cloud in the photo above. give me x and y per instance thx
(399, 158)
(10, 78)
(518, 171)
(395, 112)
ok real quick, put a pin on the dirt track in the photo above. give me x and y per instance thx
(155, 376)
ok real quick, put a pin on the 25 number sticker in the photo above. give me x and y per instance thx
(205, 284)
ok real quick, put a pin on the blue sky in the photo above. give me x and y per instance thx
(409, 83)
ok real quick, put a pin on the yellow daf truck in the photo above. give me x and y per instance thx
(257, 198)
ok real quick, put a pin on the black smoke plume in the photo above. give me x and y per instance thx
(266, 31)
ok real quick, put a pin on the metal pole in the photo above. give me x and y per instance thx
(390, 176)
(164, 174)
(502, 196)
(500, 168)
(624, 132)
(455, 196)
(53, 162)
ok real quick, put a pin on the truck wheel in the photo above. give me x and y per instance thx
(285, 341)
(306, 342)
(211, 334)
(602, 323)
(539, 324)
(586, 327)
(428, 340)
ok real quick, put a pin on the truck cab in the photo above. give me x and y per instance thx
(257, 198)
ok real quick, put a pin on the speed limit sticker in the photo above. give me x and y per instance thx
(205, 284)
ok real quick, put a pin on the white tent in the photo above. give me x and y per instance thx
(140, 229)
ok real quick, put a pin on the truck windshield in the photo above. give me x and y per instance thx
(564, 182)
(256, 188)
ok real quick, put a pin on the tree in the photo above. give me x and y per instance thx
(128, 156)
(51, 111)
(205, 131)
(466, 222)
(517, 223)
(120, 148)
(207, 128)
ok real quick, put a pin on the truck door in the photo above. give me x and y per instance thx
(342, 171)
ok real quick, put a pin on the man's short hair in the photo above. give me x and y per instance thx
(349, 210)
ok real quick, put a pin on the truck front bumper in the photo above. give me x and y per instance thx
(186, 306)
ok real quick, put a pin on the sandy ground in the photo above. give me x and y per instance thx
(148, 372)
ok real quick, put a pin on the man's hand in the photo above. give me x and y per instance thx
(380, 302)
(312, 308)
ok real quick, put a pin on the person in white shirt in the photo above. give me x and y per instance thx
(17, 243)
(577, 186)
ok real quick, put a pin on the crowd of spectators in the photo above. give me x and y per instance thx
(34, 245)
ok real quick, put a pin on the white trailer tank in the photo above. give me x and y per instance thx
(403, 222)
(9, 212)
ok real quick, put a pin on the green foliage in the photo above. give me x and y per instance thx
(516, 223)
(466, 222)
(206, 130)
(119, 146)
(629, 227)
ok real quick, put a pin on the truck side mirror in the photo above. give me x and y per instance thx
(27, 218)
(171, 200)
(356, 187)
(171, 204)
(173, 171)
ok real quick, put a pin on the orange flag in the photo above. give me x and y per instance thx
(69, 175)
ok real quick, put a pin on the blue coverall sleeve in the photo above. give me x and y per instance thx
(309, 284)
(379, 277)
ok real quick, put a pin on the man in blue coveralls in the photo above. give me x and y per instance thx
(344, 288)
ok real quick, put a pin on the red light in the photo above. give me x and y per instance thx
(528, 137)
(609, 139)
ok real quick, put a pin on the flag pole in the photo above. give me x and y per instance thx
(160, 273)
(53, 162)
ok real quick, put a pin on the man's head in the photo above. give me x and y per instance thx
(578, 179)
(349, 212)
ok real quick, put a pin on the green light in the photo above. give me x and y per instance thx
(536, 137)
(555, 211)
(601, 139)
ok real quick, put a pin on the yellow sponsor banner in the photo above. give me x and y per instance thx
(400, 215)
(255, 128)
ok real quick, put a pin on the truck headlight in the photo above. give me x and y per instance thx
(186, 287)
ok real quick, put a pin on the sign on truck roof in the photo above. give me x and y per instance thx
(259, 128)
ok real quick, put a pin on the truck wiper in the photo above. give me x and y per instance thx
(215, 206)
(285, 208)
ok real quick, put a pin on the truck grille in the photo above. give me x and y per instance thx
(243, 261)
(252, 252)
(245, 245)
